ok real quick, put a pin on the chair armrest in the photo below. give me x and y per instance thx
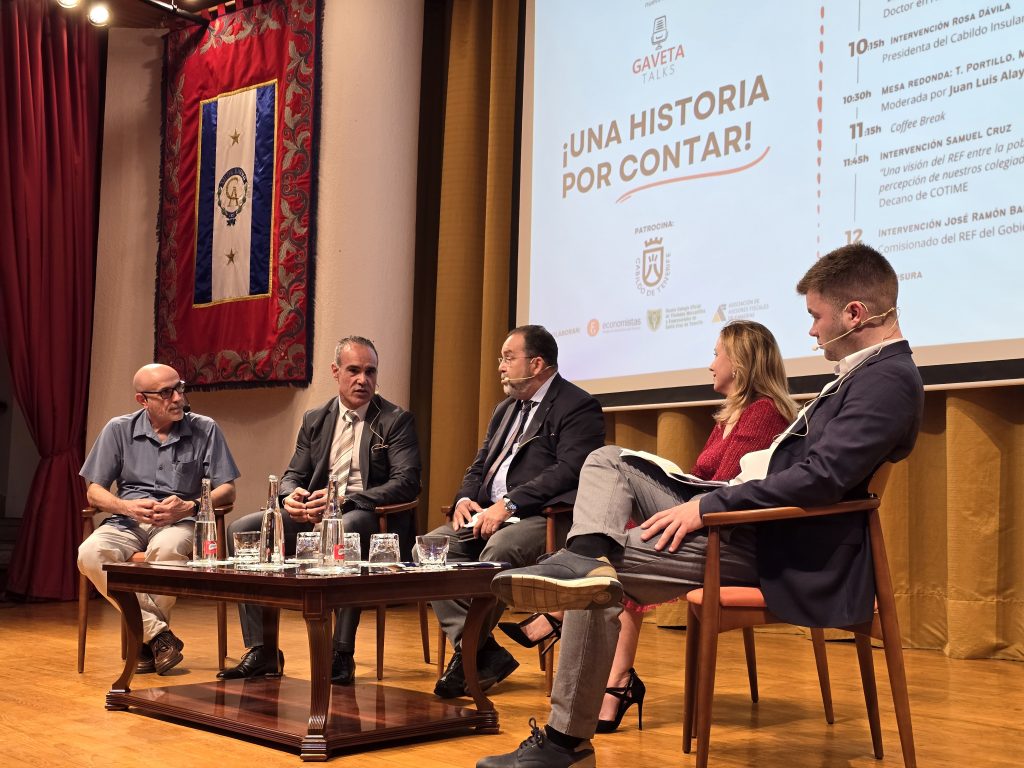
(556, 509)
(738, 517)
(446, 510)
(391, 509)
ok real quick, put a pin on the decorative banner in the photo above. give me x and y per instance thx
(238, 198)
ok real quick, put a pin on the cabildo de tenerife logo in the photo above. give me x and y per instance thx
(652, 267)
(661, 62)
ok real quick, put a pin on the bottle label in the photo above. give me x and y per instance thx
(339, 551)
(210, 549)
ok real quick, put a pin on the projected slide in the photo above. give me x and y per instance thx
(684, 163)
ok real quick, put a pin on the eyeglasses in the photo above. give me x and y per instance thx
(507, 359)
(167, 392)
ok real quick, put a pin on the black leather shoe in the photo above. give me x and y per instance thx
(494, 664)
(253, 664)
(453, 682)
(343, 668)
(145, 665)
(166, 652)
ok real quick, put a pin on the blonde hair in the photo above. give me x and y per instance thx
(758, 370)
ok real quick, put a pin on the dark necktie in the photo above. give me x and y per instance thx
(510, 443)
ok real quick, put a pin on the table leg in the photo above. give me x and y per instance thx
(131, 615)
(314, 743)
(271, 626)
(479, 609)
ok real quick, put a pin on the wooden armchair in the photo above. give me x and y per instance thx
(552, 541)
(88, 526)
(715, 609)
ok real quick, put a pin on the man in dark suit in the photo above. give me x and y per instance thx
(371, 445)
(813, 572)
(536, 442)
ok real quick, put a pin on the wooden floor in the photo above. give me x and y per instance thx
(965, 712)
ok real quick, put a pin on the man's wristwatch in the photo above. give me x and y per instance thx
(196, 506)
(510, 506)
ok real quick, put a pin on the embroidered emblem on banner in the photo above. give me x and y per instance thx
(232, 192)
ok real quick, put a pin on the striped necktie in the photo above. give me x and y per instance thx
(341, 449)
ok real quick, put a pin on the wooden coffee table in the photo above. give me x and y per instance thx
(312, 716)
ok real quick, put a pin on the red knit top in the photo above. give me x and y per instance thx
(759, 423)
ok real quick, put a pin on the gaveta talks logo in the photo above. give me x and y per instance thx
(652, 268)
(661, 62)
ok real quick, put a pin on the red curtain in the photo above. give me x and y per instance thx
(50, 73)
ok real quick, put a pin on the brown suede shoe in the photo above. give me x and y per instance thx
(166, 651)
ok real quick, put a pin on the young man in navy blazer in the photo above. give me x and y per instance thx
(813, 572)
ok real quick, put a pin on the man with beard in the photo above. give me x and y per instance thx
(536, 442)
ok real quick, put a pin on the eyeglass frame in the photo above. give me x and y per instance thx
(179, 388)
(508, 360)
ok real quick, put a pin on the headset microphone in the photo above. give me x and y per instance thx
(824, 344)
(507, 380)
(857, 327)
(186, 408)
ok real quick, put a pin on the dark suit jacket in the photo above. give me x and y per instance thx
(389, 454)
(818, 572)
(565, 428)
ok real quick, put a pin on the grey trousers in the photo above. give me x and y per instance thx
(112, 544)
(612, 491)
(519, 544)
(346, 620)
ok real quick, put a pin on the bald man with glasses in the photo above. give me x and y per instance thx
(158, 456)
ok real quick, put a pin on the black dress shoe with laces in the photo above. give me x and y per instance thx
(166, 651)
(493, 664)
(255, 663)
(343, 668)
(453, 682)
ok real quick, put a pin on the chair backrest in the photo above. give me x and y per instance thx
(876, 486)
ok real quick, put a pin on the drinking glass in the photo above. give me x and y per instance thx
(307, 546)
(432, 551)
(352, 550)
(383, 549)
(247, 546)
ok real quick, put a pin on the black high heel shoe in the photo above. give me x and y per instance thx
(515, 630)
(631, 693)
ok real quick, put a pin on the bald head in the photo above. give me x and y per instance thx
(151, 377)
(159, 390)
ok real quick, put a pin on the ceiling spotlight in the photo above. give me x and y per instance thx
(68, 3)
(99, 14)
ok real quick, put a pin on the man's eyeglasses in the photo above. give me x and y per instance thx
(167, 392)
(507, 359)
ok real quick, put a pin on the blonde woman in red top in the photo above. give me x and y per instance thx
(747, 370)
